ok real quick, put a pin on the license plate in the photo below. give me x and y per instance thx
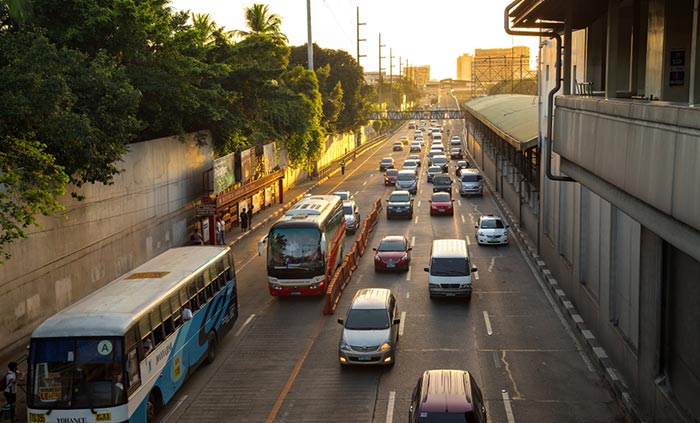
(296, 293)
(390, 265)
(441, 210)
(363, 358)
(450, 294)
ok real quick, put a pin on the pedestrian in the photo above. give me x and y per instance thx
(244, 220)
(250, 217)
(196, 238)
(10, 391)
(220, 228)
(342, 167)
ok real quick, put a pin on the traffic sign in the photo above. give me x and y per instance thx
(208, 209)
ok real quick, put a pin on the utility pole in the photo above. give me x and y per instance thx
(310, 46)
(381, 79)
(391, 74)
(358, 36)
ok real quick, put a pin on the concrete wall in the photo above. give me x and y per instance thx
(147, 210)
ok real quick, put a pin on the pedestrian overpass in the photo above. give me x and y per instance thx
(418, 114)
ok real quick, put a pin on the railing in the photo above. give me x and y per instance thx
(342, 275)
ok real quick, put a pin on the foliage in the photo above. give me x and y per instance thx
(260, 21)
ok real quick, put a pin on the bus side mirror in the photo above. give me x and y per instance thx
(261, 244)
(323, 243)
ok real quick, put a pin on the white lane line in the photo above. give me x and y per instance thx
(408, 295)
(462, 216)
(413, 241)
(415, 220)
(179, 402)
(390, 407)
(489, 331)
(506, 405)
(469, 240)
(246, 263)
(408, 274)
(459, 202)
(238, 332)
(493, 263)
(357, 192)
(364, 183)
(419, 201)
(403, 320)
(496, 359)
(476, 275)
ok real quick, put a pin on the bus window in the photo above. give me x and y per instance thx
(167, 318)
(145, 330)
(192, 294)
(175, 307)
(209, 290)
(132, 369)
(200, 282)
(157, 324)
(220, 266)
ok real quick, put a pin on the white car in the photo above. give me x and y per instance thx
(455, 140)
(415, 146)
(410, 164)
(490, 230)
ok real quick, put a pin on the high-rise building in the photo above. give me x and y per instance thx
(464, 67)
(494, 65)
(419, 75)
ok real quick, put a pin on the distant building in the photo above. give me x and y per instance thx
(372, 78)
(494, 65)
(464, 67)
(420, 75)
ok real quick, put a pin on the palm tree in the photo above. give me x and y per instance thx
(260, 21)
(206, 27)
(18, 9)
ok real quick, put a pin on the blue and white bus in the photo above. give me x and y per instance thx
(122, 352)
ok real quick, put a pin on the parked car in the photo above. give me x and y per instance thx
(441, 203)
(456, 153)
(470, 182)
(390, 176)
(442, 183)
(491, 230)
(432, 171)
(386, 163)
(370, 329)
(447, 396)
(344, 195)
(399, 204)
(415, 157)
(352, 216)
(398, 146)
(407, 180)
(392, 253)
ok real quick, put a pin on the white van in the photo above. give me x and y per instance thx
(450, 271)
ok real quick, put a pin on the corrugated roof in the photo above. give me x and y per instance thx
(511, 116)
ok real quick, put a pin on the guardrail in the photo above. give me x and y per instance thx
(342, 275)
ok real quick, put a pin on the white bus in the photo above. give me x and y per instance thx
(122, 352)
(305, 246)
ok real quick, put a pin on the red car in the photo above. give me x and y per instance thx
(393, 253)
(441, 203)
(390, 176)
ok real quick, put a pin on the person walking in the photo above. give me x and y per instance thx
(342, 167)
(250, 217)
(10, 391)
(244, 220)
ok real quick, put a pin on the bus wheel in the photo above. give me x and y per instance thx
(211, 350)
(153, 406)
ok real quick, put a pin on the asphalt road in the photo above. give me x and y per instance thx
(280, 361)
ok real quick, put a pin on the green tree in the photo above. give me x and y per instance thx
(260, 21)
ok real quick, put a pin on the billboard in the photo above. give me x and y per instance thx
(223, 172)
(269, 157)
(247, 168)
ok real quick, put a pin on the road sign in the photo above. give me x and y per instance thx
(208, 209)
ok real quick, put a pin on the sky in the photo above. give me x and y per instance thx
(423, 32)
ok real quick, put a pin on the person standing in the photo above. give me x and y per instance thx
(10, 391)
(250, 217)
(196, 238)
(244, 220)
(220, 228)
(342, 167)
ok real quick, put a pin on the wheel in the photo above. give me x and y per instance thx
(211, 349)
(153, 406)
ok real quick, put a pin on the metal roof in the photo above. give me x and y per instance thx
(553, 13)
(512, 116)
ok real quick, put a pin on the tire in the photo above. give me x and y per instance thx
(211, 349)
(155, 403)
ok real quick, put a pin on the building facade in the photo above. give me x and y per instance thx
(620, 208)
(420, 75)
(464, 67)
(494, 65)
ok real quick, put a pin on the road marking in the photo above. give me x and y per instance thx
(506, 405)
(295, 371)
(250, 319)
(496, 359)
(364, 183)
(469, 240)
(462, 216)
(408, 274)
(408, 294)
(403, 320)
(476, 275)
(390, 407)
(493, 263)
(357, 192)
(413, 241)
(246, 263)
(415, 220)
(489, 331)
(459, 202)
(419, 201)
(179, 402)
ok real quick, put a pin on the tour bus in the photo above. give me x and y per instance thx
(122, 352)
(305, 246)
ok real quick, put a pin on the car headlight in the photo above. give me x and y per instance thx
(343, 345)
(480, 233)
(385, 346)
(405, 257)
(464, 285)
(377, 258)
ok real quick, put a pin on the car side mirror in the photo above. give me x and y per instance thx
(397, 321)
(507, 226)
(427, 269)
(476, 226)
(430, 201)
(341, 321)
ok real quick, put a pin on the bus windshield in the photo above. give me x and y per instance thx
(295, 248)
(76, 373)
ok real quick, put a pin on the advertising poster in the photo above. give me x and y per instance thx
(247, 164)
(224, 176)
(269, 157)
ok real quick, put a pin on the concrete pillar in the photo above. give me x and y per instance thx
(611, 62)
(694, 95)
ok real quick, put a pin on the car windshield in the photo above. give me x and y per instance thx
(444, 266)
(407, 176)
(392, 172)
(387, 161)
(492, 224)
(442, 197)
(77, 373)
(403, 198)
(409, 163)
(471, 177)
(359, 319)
(455, 150)
(439, 160)
(347, 210)
(434, 169)
(391, 245)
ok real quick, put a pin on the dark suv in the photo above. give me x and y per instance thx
(399, 204)
(447, 396)
(442, 182)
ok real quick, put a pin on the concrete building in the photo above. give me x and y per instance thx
(493, 65)
(464, 67)
(373, 78)
(620, 217)
(420, 75)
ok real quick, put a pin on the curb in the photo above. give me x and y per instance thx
(592, 346)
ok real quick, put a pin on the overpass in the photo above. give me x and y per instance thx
(418, 114)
